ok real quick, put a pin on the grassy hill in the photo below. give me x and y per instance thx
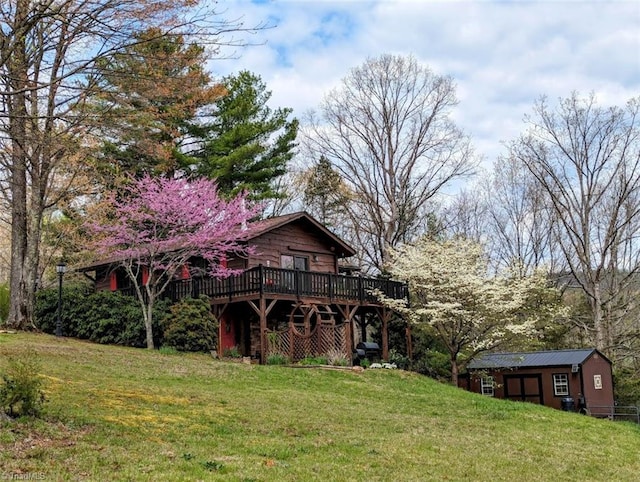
(125, 414)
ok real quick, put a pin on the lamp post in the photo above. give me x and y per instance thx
(60, 269)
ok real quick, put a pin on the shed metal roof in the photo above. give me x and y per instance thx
(530, 359)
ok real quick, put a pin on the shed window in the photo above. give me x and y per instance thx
(487, 386)
(560, 384)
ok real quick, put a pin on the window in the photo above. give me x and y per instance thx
(183, 273)
(122, 280)
(560, 384)
(288, 261)
(487, 386)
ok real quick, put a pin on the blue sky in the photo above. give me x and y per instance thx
(502, 55)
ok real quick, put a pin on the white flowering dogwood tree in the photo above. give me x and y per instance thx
(471, 309)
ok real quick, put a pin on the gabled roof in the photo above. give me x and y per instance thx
(258, 228)
(263, 226)
(532, 359)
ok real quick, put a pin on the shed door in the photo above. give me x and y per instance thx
(526, 388)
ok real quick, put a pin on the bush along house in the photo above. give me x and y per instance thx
(571, 380)
(291, 299)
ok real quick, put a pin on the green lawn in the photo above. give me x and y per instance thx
(126, 414)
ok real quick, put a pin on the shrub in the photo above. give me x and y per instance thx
(168, 350)
(398, 359)
(21, 391)
(232, 352)
(337, 358)
(313, 360)
(277, 359)
(433, 364)
(103, 317)
(5, 301)
(113, 318)
(190, 326)
(626, 383)
(73, 308)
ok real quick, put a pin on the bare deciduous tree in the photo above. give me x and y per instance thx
(519, 221)
(586, 160)
(387, 130)
(465, 217)
(48, 53)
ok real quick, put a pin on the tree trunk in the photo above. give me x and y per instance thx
(19, 309)
(598, 325)
(148, 323)
(454, 370)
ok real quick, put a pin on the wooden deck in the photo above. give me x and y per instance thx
(288, 284)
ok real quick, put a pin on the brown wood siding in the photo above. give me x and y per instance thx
(596, 365)
(293, 239)
(237, 263)
(547, 397)
(580, 382)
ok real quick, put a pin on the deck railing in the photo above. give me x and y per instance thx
(307, 284)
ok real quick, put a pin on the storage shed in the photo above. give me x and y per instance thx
(562, 379)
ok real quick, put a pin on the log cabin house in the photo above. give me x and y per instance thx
(562, 379)
(292, 296)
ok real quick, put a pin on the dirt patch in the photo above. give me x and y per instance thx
(23, 440)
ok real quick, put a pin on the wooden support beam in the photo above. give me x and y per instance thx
(409, 342)
(218, 310)
(262, 310)
(258, 310)
(348, 312)
(263, 330)
(385, 316)
(349, 342)
(385, 334)
(270, 306)
(254, 307)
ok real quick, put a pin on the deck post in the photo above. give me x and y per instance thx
(195, 287)
(386, 314)
(296, 282)
(409, 342)
(330, 287)
(263, 330)
(349, 341)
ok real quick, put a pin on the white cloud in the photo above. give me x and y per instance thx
(502, 55)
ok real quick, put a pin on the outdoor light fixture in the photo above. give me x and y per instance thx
(61, 268)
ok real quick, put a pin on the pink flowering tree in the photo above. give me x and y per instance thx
(158, 224)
